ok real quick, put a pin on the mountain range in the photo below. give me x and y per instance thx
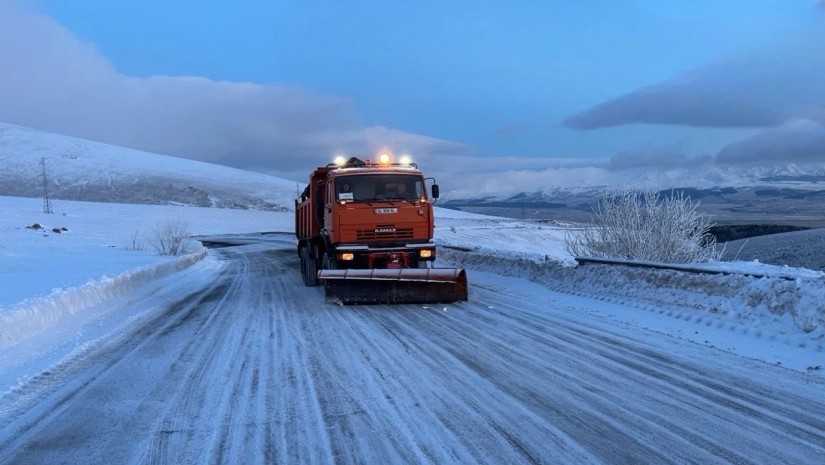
(775, 199)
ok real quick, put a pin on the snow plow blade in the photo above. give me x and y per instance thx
(395, 286)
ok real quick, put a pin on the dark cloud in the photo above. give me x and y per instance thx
(797, 142)
(660, 158)
(762, 88)
(51, 80)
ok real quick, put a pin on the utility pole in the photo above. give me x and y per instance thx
(47, 204)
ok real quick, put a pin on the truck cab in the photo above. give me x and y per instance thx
(359, 214)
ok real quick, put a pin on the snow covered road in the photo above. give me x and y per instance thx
(255, 368)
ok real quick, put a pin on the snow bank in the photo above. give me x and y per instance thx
(736, 300)
(36, 314)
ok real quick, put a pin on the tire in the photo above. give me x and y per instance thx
(303, 266)
(309, 269)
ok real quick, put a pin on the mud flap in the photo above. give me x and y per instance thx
(396, 286)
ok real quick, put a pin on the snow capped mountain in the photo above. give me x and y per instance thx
(79, 169)
(716, 175)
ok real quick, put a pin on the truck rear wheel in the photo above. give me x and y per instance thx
(309, 269)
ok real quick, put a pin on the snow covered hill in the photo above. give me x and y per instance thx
(79, 169)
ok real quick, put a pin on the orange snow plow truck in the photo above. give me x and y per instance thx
(365, 231)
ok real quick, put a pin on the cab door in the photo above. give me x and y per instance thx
(330, 211)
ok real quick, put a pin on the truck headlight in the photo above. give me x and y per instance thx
(425, 253)
(347, 256)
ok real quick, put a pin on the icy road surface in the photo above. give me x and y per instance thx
(255, 368)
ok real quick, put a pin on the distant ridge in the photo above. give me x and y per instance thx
(797, 206)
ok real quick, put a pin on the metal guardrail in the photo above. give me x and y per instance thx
(455, 247)
(676, 267)
(693, 268)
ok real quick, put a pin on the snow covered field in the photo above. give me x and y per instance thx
(51, 280)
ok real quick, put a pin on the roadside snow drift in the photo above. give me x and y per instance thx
(37, 313)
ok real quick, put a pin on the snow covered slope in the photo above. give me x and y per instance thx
(79, 169)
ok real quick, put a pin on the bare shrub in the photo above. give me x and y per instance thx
(136, 243)
(169, 237)
(640, 225)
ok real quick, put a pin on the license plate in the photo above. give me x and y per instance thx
(385, 211)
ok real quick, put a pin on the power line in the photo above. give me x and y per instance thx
(47, 204)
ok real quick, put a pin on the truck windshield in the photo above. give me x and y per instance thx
(375, 187)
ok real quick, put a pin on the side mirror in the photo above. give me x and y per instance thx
(435, 191)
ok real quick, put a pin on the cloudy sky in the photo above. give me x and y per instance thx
(491, 96)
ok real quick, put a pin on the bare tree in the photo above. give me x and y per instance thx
(640, 225)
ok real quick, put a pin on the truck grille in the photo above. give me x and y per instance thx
(384, 232)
